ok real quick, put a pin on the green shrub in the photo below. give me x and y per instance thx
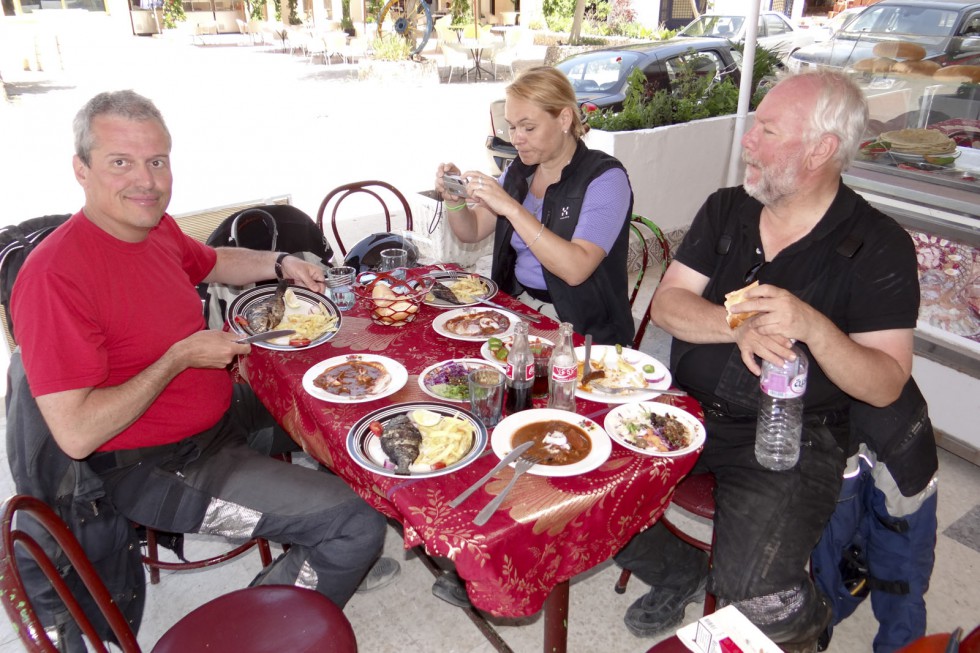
(173, 13)
(392, 47)
(693, 97)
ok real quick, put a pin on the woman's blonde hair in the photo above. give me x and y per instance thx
(549, 89)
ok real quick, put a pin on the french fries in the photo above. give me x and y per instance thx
(445, 442)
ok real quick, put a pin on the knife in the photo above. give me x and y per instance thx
(506, 460)
(265, 335)
(529, 318)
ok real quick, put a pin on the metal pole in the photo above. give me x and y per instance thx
(744, 93)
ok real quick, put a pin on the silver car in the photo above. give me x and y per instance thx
(775, 31)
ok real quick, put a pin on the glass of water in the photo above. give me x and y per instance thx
(340, 288)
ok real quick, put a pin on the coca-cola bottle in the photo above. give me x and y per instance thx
(520, 372)
(564, 371)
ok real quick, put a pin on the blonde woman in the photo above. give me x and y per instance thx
(559, 214)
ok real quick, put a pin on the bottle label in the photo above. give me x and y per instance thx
(562, 374)
(528, 372)
(783, 387)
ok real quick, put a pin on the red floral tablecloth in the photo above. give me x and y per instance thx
(547, 530)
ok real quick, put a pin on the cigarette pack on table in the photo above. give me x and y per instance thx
(725, 631)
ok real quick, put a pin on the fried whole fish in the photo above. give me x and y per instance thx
(266, 315)
(401, 442)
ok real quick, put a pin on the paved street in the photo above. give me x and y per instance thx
(248, 122)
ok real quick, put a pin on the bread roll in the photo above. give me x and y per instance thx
(922, 68)
(968, 74)
(736, 297)
(900, 50)
(874, 65)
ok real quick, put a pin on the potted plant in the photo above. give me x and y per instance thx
(346, 24)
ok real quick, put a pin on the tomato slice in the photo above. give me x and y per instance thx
(241, 321)
(299, 342)
(376, 428)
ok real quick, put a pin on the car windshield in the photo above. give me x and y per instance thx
(899, 19)
(716, 26)
(598, 72)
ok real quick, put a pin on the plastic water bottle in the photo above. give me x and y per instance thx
(564, 371)
(777, 434)
(520, 372)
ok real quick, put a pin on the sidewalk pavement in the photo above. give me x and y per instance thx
(247, 121)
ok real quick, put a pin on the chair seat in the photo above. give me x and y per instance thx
(695, 494)
(266, 618)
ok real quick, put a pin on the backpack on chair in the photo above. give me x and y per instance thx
(16, 242)
(274, 227)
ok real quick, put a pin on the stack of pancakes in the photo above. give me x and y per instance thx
(920, 142)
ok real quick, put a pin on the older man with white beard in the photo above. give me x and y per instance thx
(838, 278)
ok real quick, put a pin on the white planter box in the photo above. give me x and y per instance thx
(672, 169)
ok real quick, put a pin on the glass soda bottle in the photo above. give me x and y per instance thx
(564, 371)
(777, 434)
(520, 372)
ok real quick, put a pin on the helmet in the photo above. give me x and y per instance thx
(366, 254)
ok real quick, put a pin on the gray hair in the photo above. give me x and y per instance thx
(840, 110)
(124, 104)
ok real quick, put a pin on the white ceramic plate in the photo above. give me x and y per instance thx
(919, 158)
(439, 324)
(447, 278)
(308, 300)
(635, 358)
(508, 341)
(617, 419)
(426, 378)
(397, 372)
(601, 444)
(364, 446)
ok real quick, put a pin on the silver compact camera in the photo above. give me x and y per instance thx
(455, 185)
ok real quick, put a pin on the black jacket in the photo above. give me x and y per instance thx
(600, 304)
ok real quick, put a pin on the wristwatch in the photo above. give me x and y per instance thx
(279, 259)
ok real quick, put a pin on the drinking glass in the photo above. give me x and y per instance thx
(393, 258)
(487, 395)
(339, 286)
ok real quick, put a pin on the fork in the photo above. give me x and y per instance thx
(522, 464)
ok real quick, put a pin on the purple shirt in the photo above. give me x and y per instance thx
(603, 211)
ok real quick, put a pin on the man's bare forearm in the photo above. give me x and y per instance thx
(690, 317)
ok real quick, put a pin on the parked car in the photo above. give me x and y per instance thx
(601, 77)
(840, 20)
(775, 32)
(949, 30)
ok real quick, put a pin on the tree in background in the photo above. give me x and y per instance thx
(173, 13)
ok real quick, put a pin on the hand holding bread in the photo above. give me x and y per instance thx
(737, 297)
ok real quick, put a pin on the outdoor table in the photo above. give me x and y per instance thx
(547, 530)
(476, 48)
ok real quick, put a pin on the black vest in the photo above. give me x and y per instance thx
(600, 304)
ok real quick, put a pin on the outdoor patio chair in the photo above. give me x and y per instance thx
(644, 228)
(252, 620)
(456, 56)
(335, 43)
(507, 55)
(379, 190)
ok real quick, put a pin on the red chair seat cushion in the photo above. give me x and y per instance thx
(695, 494)
(262, 619)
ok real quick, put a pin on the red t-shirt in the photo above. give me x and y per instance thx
(91, 310)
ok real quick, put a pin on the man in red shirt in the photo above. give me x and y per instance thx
(127, 375)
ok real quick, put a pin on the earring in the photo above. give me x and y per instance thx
(565, 132)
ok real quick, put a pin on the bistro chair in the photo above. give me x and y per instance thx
(695, 494)
(252, 620)
(379, 190)
(643, 228)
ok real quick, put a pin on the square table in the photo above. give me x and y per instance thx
(547, 530)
